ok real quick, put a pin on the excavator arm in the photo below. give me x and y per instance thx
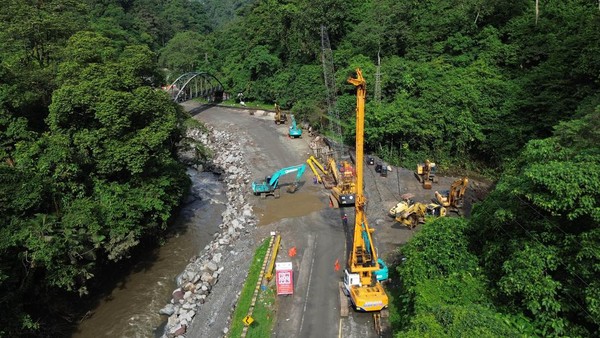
(270, 183)
(453, 197)
(297, 168)
(312, 162)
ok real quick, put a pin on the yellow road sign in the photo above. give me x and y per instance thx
(248, 320)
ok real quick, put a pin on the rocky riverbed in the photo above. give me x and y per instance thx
(221, 267)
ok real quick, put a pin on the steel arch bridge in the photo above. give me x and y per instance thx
(196, 84)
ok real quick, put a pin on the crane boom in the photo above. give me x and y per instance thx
(361, 284)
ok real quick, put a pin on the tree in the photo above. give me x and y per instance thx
(541, 230)
(188, 51)
(443, 293)
(103, 177)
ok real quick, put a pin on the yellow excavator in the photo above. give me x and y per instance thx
(417, 213)
(453, 198)
(360, 284)
(280, 117)
(426, 174)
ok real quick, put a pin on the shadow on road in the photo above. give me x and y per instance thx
(202, 108)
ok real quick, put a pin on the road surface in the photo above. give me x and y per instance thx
(304, 220)
(307, 223)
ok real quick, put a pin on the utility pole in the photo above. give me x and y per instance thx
(378, 79)
(329, 76)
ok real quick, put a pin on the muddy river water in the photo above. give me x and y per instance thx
(131, 309)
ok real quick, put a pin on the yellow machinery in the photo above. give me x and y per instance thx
(324, 176)
(453, 198)
(280, 117)
(360, 284)
(426, 174)
(407, 200)
(343, 193)
(418, 212)
(342, 184)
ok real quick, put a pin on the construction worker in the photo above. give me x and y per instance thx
(345, 220)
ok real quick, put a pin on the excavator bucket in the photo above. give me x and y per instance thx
(292, 188)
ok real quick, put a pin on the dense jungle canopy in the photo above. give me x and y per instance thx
(88, 164)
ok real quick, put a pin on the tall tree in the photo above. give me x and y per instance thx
(538, 233)
(103, 177)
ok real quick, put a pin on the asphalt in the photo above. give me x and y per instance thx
(307, 223)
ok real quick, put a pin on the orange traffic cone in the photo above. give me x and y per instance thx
(337, 265)
(292, 251)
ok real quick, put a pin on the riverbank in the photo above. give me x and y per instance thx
(222, 265)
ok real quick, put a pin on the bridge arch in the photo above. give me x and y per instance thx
(196, 84)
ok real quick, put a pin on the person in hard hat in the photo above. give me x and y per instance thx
(345, 219)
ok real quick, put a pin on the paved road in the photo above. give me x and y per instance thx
(305, 222)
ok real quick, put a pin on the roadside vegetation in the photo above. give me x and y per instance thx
(88, 164)
(260, 315)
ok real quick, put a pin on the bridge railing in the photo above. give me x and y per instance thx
(191, 85)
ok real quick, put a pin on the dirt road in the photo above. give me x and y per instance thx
(306, 222)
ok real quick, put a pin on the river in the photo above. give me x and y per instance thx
(131, 308)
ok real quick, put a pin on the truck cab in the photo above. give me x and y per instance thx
(350, 280)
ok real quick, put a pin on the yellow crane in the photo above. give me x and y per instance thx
(360, 284)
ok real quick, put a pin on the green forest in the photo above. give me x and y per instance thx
(506, 89)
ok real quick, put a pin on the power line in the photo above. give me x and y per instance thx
(331, 91)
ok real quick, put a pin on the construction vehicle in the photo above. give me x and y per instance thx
(270, 185)
(426, 173)
(418, 213)
(383, 273)
(341, 182)
(453, 198)
(324, 176)
(343, 193)
(295, 131)
(360, 284)
(407, 200)
(280, 117)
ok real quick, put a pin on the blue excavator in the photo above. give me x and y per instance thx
(270, 185)
(295, 131)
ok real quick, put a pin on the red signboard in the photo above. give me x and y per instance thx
(284, 277)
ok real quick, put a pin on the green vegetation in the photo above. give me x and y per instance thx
(87, 145)
(245, 299)
(264, 314)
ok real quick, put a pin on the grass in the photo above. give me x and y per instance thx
(264, 314)
(243, 304)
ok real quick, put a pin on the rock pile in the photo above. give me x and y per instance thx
(198, 278)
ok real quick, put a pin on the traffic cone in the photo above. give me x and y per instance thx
(337, 265)
(292, 251)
